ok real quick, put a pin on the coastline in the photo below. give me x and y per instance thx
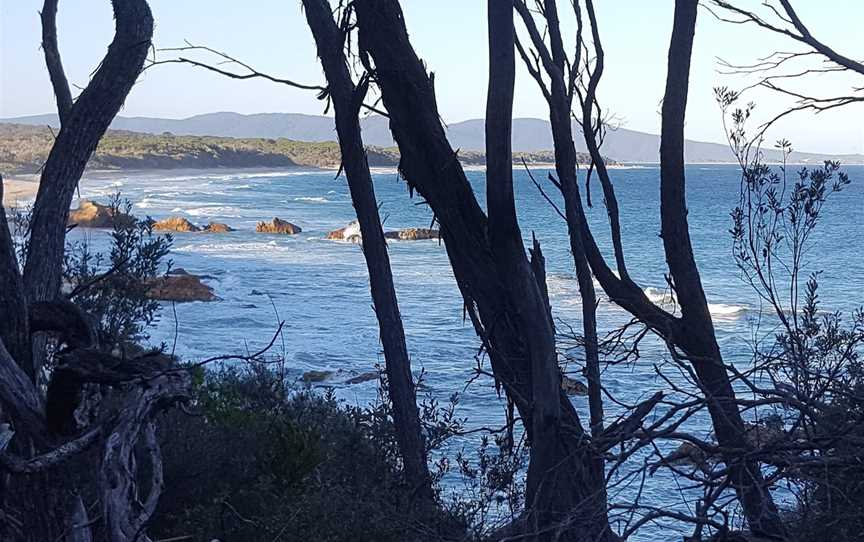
(19, 189)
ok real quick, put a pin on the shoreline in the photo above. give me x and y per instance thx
(19, 189)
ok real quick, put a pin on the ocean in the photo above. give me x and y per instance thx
(320, 287)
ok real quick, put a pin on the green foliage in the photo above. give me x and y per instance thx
(113, 290)
(261, 460)
(809, 369)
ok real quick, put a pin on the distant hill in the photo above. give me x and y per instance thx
(24, 148)
(529, 135)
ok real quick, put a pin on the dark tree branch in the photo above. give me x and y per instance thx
(86, 123)
(53, 61)
(347, 99)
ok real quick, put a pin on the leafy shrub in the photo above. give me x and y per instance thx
(113, 290)
(262, 461)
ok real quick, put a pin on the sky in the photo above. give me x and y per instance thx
(450, 36)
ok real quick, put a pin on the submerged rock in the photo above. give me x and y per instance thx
(175, 224)
(351, 233)
(90, 214)
(572, 386)
(278, 225)
(363, 377)
(180, 286)
(412, 234)
(217, 227)
(316, 376)
(686, 454)
(766, 432)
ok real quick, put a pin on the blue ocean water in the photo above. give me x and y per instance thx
(320, 288)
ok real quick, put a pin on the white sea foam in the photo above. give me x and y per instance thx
(666, 299)
(661, 297)
(146, 203)
(232, 212)
(316, 199)
(723, 310)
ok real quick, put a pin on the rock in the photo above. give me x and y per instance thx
(765, 433)
(217, 227)
(278, 226)
(90, 214)
(686, 454)
(363, 377)
(350, 233)
(180, 287)
(175, 224)
(572, 386)
(412, 234)
(316, 376)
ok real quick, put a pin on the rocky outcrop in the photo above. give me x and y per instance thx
(313, 376)
(350, 233)
(180, 286)
(363, 377)
(217, 227)
(175, 224)
(572, 386)
(412, 234)
(90, 214)
(278, 226)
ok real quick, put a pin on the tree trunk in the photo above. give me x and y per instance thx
(346, 102)
(523, 292)
(430, 166)
(696, 332)
(83, 126)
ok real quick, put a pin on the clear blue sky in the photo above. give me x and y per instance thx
(450, 35)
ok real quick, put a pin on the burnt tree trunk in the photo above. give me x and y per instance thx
(346, 102)
(430, 166)
(696, 330)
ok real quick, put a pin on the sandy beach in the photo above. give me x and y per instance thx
(19, 189)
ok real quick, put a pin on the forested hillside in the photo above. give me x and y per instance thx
(24, 148)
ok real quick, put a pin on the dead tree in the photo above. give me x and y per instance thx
(691, 335)
(347, 99)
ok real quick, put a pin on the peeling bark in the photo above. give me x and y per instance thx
(125, 511)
